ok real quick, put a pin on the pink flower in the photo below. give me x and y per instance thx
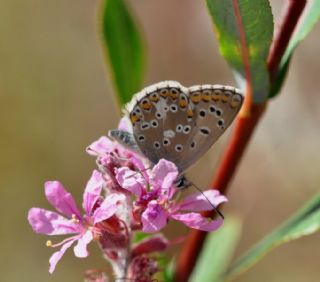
(111, 155)
(155, 203)
(68, 219)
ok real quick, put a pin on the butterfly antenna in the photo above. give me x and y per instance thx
(203, 194)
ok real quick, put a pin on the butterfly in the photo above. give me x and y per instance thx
(177, 123)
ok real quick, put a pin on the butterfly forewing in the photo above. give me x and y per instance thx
(180, 124)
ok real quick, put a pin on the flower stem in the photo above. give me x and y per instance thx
(244, 128)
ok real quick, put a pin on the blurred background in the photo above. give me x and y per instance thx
(56, 98)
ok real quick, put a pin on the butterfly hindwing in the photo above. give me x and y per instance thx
(153, 115)
(215, 107)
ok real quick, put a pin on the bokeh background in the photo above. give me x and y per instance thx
(56, 98)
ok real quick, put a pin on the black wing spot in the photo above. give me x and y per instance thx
(205, 130)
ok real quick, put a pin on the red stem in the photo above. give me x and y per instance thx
(244, 128)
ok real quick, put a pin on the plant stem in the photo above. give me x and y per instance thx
(244, 128)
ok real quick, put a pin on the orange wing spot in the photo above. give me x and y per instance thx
(183, 103)
(164, 93)
(134, 118)
(154, 97)
(226, 97)
(233, 104)
(206, 96)
(189, 113)
(195, 97)
(145, 105)
(235, 101)
(216, 95)
(173, 94)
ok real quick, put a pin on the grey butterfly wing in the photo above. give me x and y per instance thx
(155, 114)
(180, 124)
(124, 138)
(215, 107)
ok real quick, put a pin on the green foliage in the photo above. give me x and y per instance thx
(168, 272)
(217, 251)
(309, 18)
(139, 236)
(123, 48)
(257, 30)
(304, 222)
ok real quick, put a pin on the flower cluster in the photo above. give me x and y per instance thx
(123, 197)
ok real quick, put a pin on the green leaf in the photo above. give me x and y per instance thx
(252, 21)
(304, 222)
(123, 48)
(310, 17)
(139, 236)
(168, 272)
(217, 251)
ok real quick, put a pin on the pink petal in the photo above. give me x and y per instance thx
(197, 221)
(156, 243)
(153, 218)
(197, 202)
(58, 255)
(80, 250)
(108, 207)
(59, 198)
(125, 124)
(92, 191)
(138, 163)
(164, 173)
(101, 146)
(131, 180)
(50, 223)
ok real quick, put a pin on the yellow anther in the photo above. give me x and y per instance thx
(49, 243)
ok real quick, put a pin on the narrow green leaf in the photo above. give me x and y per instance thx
(168, 272)
(310, 17)
(217, 251)
(304, 222)
(256, 28)
(123, 48)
